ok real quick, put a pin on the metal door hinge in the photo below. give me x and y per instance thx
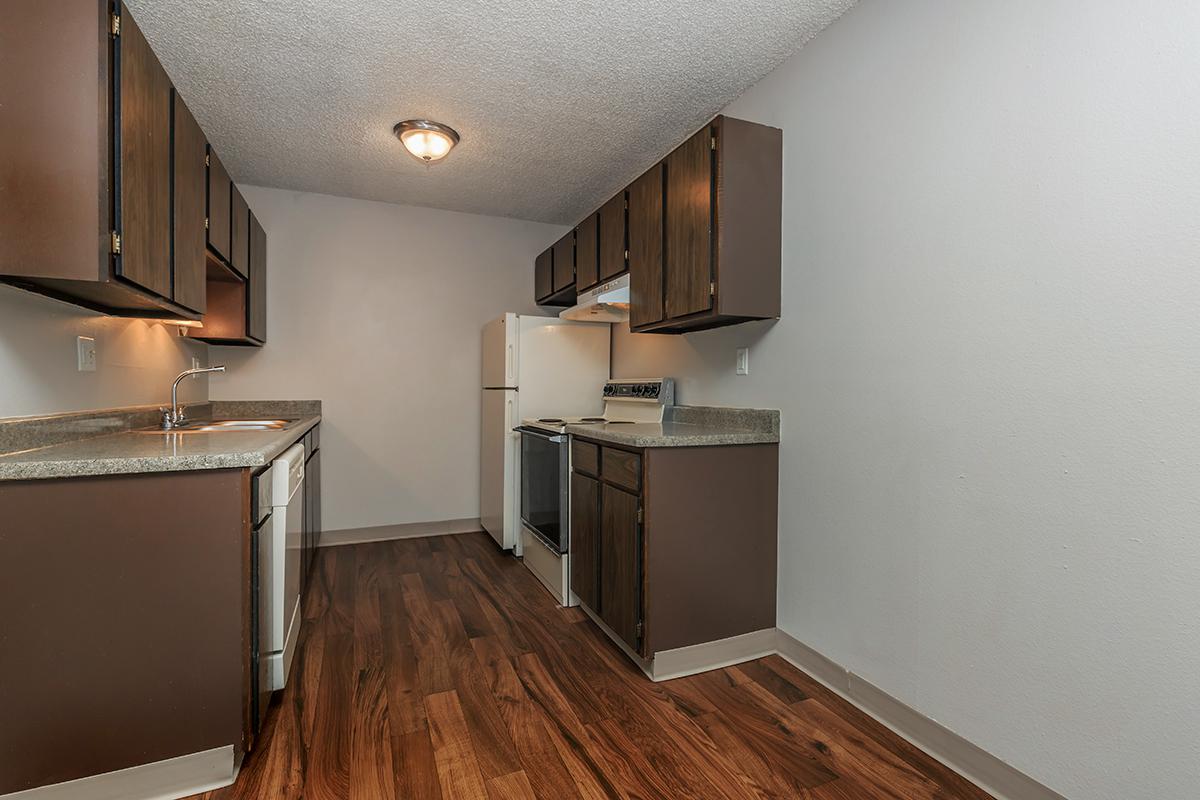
(116, 25)
(206, 223)
(712, 288)
(626, 255)
(639, 516)
(638, 630)
(207, 160)
(115, 244)
(713, 141)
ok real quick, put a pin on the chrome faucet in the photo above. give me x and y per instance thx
(173, 417)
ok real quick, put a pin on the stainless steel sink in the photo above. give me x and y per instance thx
(209, 426)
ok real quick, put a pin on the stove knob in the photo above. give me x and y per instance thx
(608, 389)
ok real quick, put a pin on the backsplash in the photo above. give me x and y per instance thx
(136, 359)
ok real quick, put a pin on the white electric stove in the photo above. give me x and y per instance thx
(546, 474)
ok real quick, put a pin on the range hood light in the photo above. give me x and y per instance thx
(608, 302)
(426, 140)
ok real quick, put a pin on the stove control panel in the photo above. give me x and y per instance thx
(653, 390)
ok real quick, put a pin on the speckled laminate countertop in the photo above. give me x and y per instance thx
(130, 448)
(690, 426)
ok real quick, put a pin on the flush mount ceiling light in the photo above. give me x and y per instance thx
(428, 141)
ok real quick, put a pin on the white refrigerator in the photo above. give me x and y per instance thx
(532, 367)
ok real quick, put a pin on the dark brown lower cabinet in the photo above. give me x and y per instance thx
(311, 535)
(620, 565)
(585, 519)
(675, 546)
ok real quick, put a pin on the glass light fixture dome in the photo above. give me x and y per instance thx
(426, 140)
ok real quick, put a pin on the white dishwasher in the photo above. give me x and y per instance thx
(279, 546)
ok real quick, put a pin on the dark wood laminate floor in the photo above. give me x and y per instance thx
(440, 668)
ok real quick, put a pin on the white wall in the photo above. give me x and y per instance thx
(377, 310)
(989, 371)
(136, 359)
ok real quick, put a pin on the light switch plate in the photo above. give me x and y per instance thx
(85, 348)
(743, 361)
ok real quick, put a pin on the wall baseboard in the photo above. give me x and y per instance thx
(1003, 781)
(408, 530)
(163, 780)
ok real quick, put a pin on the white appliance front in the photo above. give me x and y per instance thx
(286, 531)
(499, 368)
(497, 465)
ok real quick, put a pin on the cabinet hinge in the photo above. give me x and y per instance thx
(206, 223)
(712, 288)
(116, 25)
(713, 142)
(207, 160)
(638, 630)
(116, 243)
(639, 516)
(626, 255)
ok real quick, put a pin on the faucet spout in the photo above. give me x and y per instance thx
(176, 418)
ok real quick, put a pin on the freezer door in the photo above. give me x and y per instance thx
(499, 369)
(497, 465)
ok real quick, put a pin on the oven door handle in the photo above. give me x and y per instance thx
(558, 438)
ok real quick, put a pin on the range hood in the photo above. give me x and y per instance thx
(608, 302)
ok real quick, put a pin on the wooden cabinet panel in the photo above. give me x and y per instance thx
(256, 286)
(620, 564)
(145, 164)
(564, 262)
(543, 274)
(689, 202)
(585, 522)
(621, 467)
(239, 233)
(585, 457)
(646, 248)
(612, 237)
(587, 243)
(190, 184)
(219, 197)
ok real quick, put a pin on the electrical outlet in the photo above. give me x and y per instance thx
(743, 361)
(85, 350)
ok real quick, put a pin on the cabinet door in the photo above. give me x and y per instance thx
(620, 564)
(145, 163)
(564, 262)
(190, 185)
(313, 473)
(543, 274)
(612, 237)
(585, 545)
(256, 286)
(239, 233)
(689, 199)
(219, 187)
(587, 253)
(646, 248)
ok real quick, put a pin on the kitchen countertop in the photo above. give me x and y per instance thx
(690, 426)
(129, 450)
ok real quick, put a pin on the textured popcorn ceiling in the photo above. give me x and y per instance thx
(558, 104)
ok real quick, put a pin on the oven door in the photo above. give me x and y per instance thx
(545, 502)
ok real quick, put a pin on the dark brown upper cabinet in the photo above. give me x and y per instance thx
(612, 237)
(543, 275)
(646, 248)
(144, 164)
(239, 234)
(86, 160)
(190, 182)
(220, 195)
(587, 252)
(256, 288)
(564, 262)
(722, 217)
(560, 270)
